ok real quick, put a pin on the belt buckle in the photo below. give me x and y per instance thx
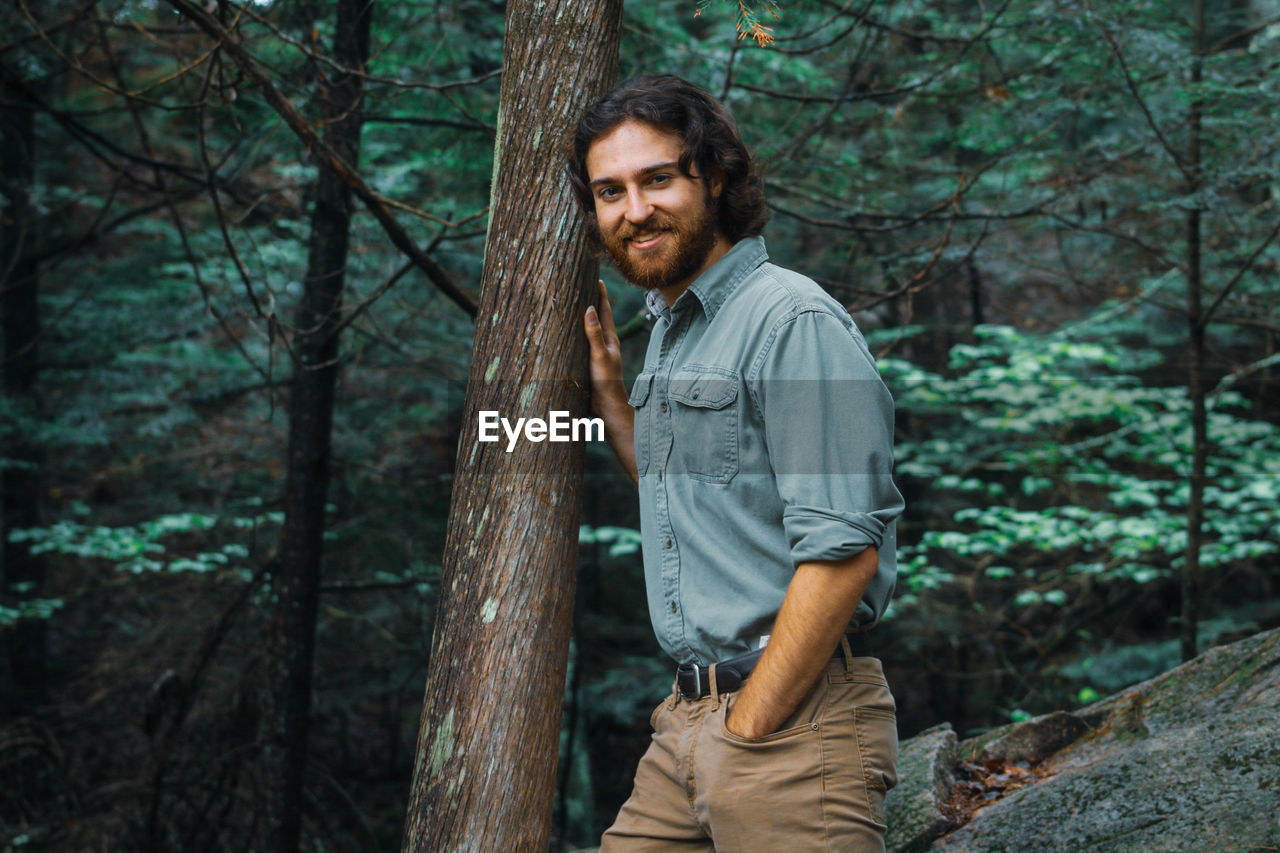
(696, 672)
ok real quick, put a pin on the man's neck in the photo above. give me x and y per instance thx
(671, 292)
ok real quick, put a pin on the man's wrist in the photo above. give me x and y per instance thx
(609, 400)
(744, 722)
(733, 723)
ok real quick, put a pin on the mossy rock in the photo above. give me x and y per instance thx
(1188, 761)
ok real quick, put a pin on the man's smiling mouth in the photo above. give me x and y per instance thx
(646, 240)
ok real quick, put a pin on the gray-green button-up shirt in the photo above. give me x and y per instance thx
(763, 438)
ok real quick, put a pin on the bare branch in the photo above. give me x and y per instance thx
(97, 80)
(211, 173)
(86, 135)
(1235, 38)
(1248, 265)
(378, 118)
(1142, 104)
(1155, 252)
(965, 46)
(917, 280)
(323, 59)
(864, 18)
(327, 157)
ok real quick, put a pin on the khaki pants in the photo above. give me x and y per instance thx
(818, 783)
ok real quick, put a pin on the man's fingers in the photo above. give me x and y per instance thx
(606, 311)
(595, 332)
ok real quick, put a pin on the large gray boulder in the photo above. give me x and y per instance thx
(1188, 761)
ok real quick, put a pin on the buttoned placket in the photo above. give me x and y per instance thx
(674, 336)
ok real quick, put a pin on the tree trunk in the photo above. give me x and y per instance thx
(23, 661)
(297, 580)
(1195, 381)
(484, 776)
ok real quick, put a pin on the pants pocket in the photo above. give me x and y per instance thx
(878, 752)
(805, 718)
(860, 753)
(758, 794)
(804, 787)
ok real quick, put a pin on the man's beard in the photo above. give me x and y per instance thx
(685, 250)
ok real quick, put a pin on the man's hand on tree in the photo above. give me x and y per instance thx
(606, 356)
(608, 392)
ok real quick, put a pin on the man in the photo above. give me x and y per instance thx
(760, 437)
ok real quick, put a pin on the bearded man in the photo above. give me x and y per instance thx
(759, 435)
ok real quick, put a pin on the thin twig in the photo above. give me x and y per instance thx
(324, 154)
(1142, 104)
(1248, 265)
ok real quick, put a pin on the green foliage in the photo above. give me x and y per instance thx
(1053, 468)
(28, 609)
(622, 540)
(138, 548)
(924, 160)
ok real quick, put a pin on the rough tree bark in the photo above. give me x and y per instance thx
(485, 770)
(296, 582)
(20, 471)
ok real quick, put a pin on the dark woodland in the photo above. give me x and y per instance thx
(262, 261)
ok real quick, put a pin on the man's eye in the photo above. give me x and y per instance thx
(609, 193)
(660, 179)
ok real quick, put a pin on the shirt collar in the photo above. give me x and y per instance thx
(717, 282)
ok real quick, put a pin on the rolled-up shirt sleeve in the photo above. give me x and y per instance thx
(829, 437)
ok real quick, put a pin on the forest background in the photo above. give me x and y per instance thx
(1056, 223)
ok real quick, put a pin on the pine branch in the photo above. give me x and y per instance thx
(747, 20)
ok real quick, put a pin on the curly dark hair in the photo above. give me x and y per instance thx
(711, 144)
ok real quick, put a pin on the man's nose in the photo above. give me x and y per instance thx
(639, 208)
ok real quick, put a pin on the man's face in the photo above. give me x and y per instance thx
(656, 222)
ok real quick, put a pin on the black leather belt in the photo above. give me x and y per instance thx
(694, 682)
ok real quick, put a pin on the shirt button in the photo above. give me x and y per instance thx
(666, 543)
(673, 607)
(663, 407)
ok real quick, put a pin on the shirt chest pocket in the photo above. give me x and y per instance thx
(705, 423)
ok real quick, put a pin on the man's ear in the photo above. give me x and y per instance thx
(715, 183)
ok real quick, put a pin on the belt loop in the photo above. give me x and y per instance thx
(848, 654)
(715, 694)
(675, 694)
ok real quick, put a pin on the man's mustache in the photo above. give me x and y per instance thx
(653, 223)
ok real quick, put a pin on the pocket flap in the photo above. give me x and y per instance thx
(704, 390)
(640, 389)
